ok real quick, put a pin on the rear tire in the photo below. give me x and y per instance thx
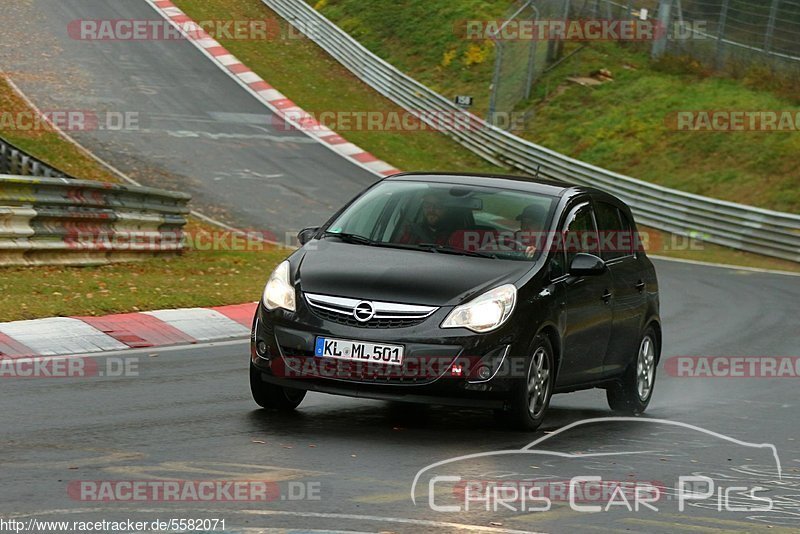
(270, 396)
(531, 396)
(632, 394)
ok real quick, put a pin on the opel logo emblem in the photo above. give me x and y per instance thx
(363, 311)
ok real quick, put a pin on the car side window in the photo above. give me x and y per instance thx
(632, 241)
(558, 266)
(611, 232)
(580, 234)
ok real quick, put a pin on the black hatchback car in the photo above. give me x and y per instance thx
(491, 291)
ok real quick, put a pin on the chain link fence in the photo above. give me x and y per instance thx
(515, 65)
(735, 34)
(520, 61)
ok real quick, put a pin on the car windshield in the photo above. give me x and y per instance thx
(452, 219)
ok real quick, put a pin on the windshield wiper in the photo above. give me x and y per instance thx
(448, 249)
(351, 238)
(426, 247)
(361, 240)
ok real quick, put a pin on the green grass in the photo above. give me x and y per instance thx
(196, 278)
(619, 125)
(623, 126)
(419, 38)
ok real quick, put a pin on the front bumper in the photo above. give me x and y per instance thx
(440, 365)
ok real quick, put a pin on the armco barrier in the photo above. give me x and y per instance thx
(735, 225)
(17, 162)
(64, 221)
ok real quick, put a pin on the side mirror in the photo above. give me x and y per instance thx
(586, 265)
(306, 234)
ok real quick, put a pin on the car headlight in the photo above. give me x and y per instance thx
(486, 312)
(279, 292)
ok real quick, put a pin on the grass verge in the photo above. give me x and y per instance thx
(626, 125)
(196, 278)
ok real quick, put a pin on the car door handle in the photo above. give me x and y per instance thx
(640, 285)
(607, 296)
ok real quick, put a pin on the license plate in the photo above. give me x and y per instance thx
(344, 349)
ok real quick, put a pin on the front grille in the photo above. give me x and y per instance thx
(343, 310)
(373, 323)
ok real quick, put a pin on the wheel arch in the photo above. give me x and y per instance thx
(656, 324)
(550, 331)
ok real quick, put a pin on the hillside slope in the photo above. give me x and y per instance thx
(624, 125)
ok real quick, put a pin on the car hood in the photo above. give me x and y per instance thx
(398, 275)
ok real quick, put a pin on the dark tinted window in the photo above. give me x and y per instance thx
(634, 241)
(580, 233)
(613, 237)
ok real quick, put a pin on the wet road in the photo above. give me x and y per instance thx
(348, 464)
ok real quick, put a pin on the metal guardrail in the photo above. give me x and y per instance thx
(64, 221)
(739, 226)
(15, 161)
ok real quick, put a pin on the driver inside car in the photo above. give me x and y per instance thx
(435, 226)
(531, 223)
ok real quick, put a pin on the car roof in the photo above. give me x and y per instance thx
(520, 183)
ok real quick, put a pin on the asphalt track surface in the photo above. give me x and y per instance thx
(186, 412)
(198, 131)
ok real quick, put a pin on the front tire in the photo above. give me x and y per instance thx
(632, 394)
(270, 396)
(531, 396)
